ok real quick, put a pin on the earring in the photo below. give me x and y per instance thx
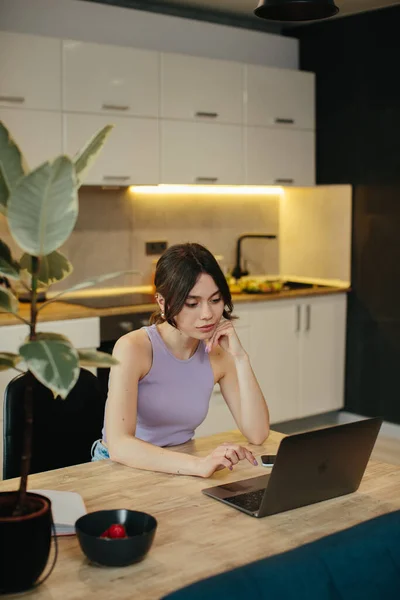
(163, 315)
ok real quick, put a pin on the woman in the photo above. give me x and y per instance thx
(160, 390)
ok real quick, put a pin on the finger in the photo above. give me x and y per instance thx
(211, 342)
(218, 336)
(233, 457)
(245, 453)
(229, 446)
(221, 330)
(250, 457)
(240, 451)
(225, 462)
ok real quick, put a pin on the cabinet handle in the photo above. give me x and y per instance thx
(115, 107)
(13, 99)
(308, 318)
(206, 179)
(283, 180)
(285, 121)
(116, 177)
(298, 318)
(209, 115)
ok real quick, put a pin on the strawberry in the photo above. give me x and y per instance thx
(105, 534)
(115, 531)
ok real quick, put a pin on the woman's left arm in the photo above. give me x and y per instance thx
(239, 385)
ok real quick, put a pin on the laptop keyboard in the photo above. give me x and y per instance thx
(250, 501)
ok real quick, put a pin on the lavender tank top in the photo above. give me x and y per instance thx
(174, 396)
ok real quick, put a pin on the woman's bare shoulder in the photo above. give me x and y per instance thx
(134, 343)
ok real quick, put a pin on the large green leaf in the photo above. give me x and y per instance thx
(48, 335)
(8, 266)
(8, 302)
(8, 360)
(93, 358)
(54, 363)
(43, 207)
(88, 283)
(53, 267)
(12, 165)
(85, 157)
(3, 195)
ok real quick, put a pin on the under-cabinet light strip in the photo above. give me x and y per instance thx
(229, 190)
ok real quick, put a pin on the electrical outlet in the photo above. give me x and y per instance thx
(155, 248)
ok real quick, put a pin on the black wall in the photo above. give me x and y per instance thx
(357, 64)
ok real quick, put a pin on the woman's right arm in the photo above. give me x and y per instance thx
(133, 351)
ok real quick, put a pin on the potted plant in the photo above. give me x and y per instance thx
(41, 208)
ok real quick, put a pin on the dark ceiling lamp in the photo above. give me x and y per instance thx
(295, 10)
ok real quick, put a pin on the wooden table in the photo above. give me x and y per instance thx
(196, 536)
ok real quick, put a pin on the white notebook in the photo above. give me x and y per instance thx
(67, 507)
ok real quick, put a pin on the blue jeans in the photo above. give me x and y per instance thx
(99, 452)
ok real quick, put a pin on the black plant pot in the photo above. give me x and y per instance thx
(24, 542)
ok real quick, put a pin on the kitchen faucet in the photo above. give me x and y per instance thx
(237, 272)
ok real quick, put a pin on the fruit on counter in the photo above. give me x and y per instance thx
(115, 531)
(254, 286)
(265, 287)
(235, 286)
(262, 287)
(277, 285)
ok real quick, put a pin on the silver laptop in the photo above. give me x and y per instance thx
(309, 467)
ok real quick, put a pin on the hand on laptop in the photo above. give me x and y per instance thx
(224, 456)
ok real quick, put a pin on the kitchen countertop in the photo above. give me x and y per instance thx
(61, 311)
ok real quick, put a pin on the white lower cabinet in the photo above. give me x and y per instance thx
(274, 355)
(322, 355)
(298, 354)
(83, 333)
(297, 351)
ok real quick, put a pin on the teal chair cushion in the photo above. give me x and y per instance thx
(360, 563)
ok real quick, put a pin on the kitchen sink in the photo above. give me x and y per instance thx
(272, 286)
(299, 285)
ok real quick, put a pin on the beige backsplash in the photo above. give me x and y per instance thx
(315, 232)
(113, 226)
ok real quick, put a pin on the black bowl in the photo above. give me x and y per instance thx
(140, 529)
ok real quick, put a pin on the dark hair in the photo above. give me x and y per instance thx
(177, 272)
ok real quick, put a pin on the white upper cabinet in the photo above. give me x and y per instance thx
(280, 98)
(280, 157)
(110, 79)
(203, 89)
(37, 132)
(201, 153)
(30, 71)
(130, 155)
